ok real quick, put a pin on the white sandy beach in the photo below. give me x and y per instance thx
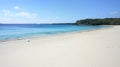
(98, 48)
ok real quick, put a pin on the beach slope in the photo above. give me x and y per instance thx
(97, 48)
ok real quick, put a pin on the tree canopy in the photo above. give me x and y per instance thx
(104, 21)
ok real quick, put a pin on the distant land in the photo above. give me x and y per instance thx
(46, 24)
(98, 21)
(104, 21)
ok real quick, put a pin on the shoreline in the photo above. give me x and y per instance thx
(97, 48)
(52, 35)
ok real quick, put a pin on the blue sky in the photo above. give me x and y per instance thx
(56, 11)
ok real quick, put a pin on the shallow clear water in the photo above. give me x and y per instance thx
(13, 31)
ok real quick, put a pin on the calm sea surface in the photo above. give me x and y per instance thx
(14, 31)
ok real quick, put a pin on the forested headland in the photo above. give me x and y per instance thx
(104, 21)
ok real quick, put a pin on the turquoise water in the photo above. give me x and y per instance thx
(13, 31)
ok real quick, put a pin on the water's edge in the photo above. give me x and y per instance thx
(56, 34)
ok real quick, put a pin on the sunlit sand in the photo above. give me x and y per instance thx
(97, 48)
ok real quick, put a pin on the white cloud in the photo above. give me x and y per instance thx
(19, 14)
(16, 20)
(16, 7)
(6, 12)
(115, 13)
(26, 15)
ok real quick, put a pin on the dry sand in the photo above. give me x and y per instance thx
(98, 48)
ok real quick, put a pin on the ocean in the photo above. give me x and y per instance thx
(14, 31)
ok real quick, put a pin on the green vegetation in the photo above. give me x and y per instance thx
(105, 21)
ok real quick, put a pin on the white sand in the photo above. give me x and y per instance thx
(99, 48)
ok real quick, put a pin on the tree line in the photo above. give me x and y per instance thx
(104, 21)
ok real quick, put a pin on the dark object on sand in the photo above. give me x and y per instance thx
(28, 40)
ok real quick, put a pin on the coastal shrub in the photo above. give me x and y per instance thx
(104, 21)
